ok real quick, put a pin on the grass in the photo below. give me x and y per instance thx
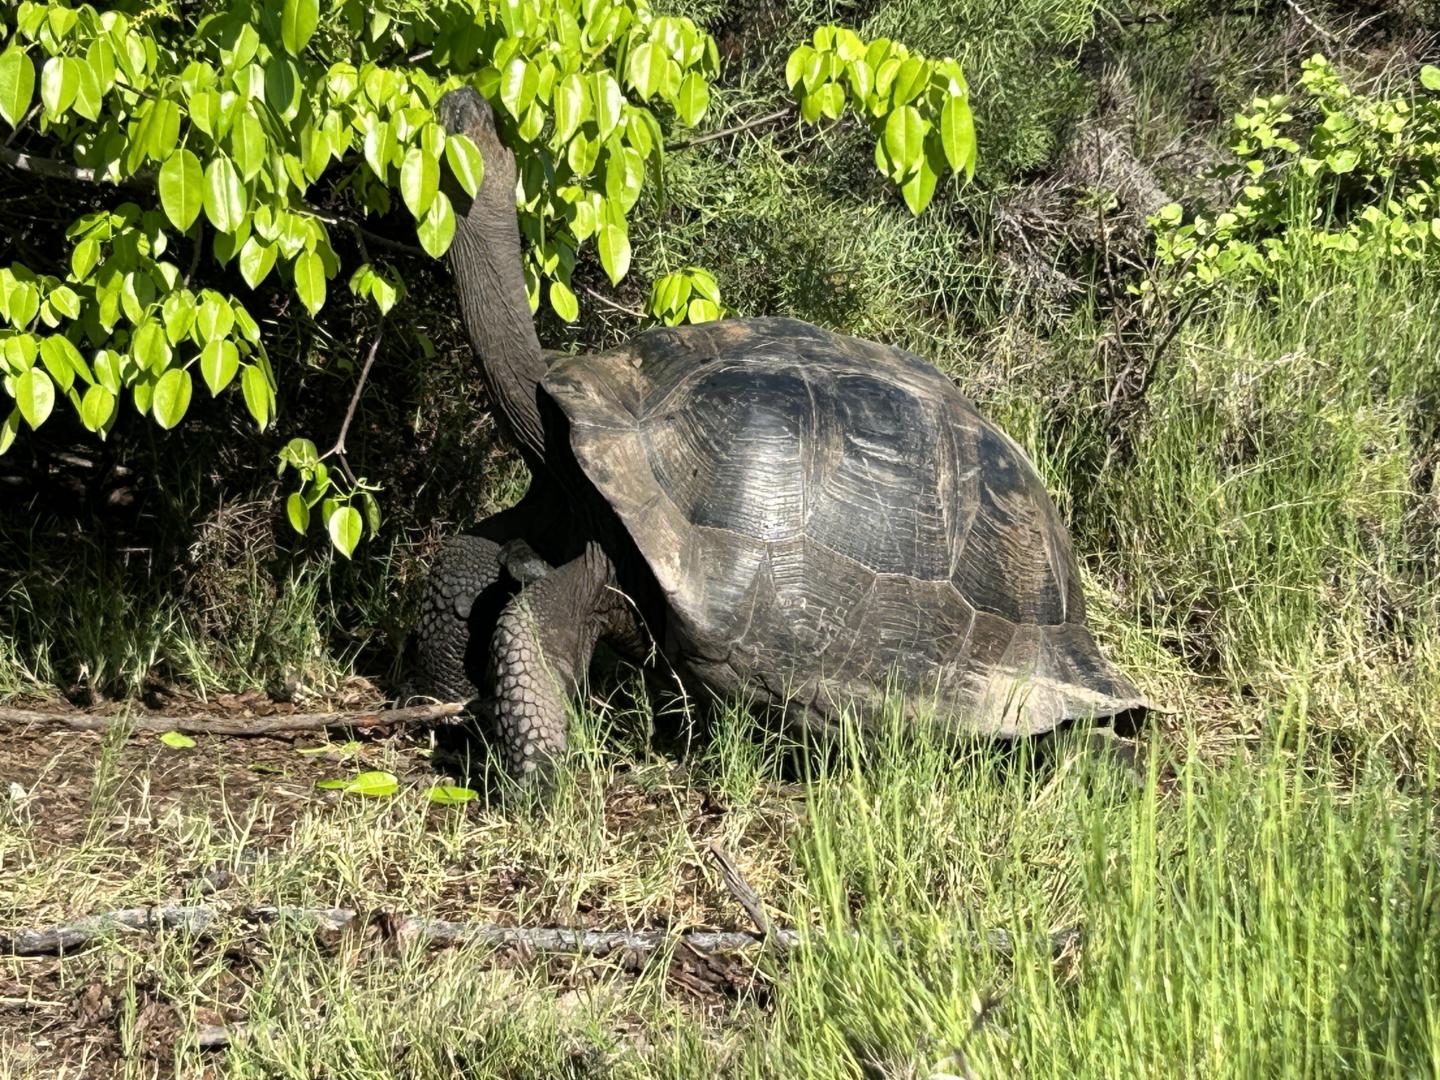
(1274, 915)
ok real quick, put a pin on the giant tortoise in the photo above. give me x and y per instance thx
(775, 510)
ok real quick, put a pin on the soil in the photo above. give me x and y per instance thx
(62, 1016)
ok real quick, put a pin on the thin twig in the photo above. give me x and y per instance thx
(759, 121)
(613, 305)
(338, 450)
(253, 726)
(1305, 17)
(739, 888)
(53, 940)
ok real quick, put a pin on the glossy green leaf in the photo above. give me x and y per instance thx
(84, 258)
(97, 408)
(419, 180)
(463, 157)
(345, 528)
(248, 145)
(182, 185)
(256, 260)
(957, 134)
(614, 247)
(1430, 77)
(171, 398)
(298, 19)
(177, 741)
(149, 345)
(563, 301)
(644, 70)
(34, 396)
(379, 146)
(375, 784)
(693, 99)
(571, 103)
(215, 317)
(437, 228)
(219, 361)
(9, 429)
(61, 359)
(310, 281)
(59, 83)
(609, 101)
(178, 310)
(224, 197)
(905, 137)
(518, 83)
(298, 512)
(17, 84)
(259, 398)
(451, 795)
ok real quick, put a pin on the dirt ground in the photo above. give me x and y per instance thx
(100, 801)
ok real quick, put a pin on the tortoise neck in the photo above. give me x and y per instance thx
(485, 259)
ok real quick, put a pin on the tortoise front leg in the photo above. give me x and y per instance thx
(539, 656)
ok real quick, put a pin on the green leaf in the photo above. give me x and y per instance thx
(693, 99)
(373, 784)
(437, 228)
(419, 180)
(177, 741)
(61, 359)
(35, 396)
(182, 184)
(644, 70)
(465, 162)
(614, 248)
(563, 300)
(215, 317)
(178, 310)
(1429, 78)
(345, 527)
(17, 84)
(171, 398)
(247, 144)
(910, 79)
(97, 408)
(905, 137)
(919, 189)
(219, 361)
(957, 134)
(572, 107)
(259, 398)
(609, 103)
(59, 83)
(298, 512)
(9, 430)
(224, 195)
(518, 84)
(451, 795)
(1343, 161)
(701, 310)
(379, 146)
(150, 347)
(84, 258)
(297, 22)
(310, 281)
(256, 260)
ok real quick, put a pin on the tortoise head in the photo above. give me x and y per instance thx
(464, 112)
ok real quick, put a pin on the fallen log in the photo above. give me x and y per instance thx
(210, 724)
(196, 919)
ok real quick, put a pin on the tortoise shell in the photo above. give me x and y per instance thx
(830, 518)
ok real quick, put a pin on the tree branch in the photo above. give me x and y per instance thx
(53, 940)
(251, 726)
(338, 450)
(723, 133)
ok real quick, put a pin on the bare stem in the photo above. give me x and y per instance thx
(338, 450)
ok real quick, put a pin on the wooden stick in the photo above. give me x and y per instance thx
(739, 888)
(50, 941)
(251, 726)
